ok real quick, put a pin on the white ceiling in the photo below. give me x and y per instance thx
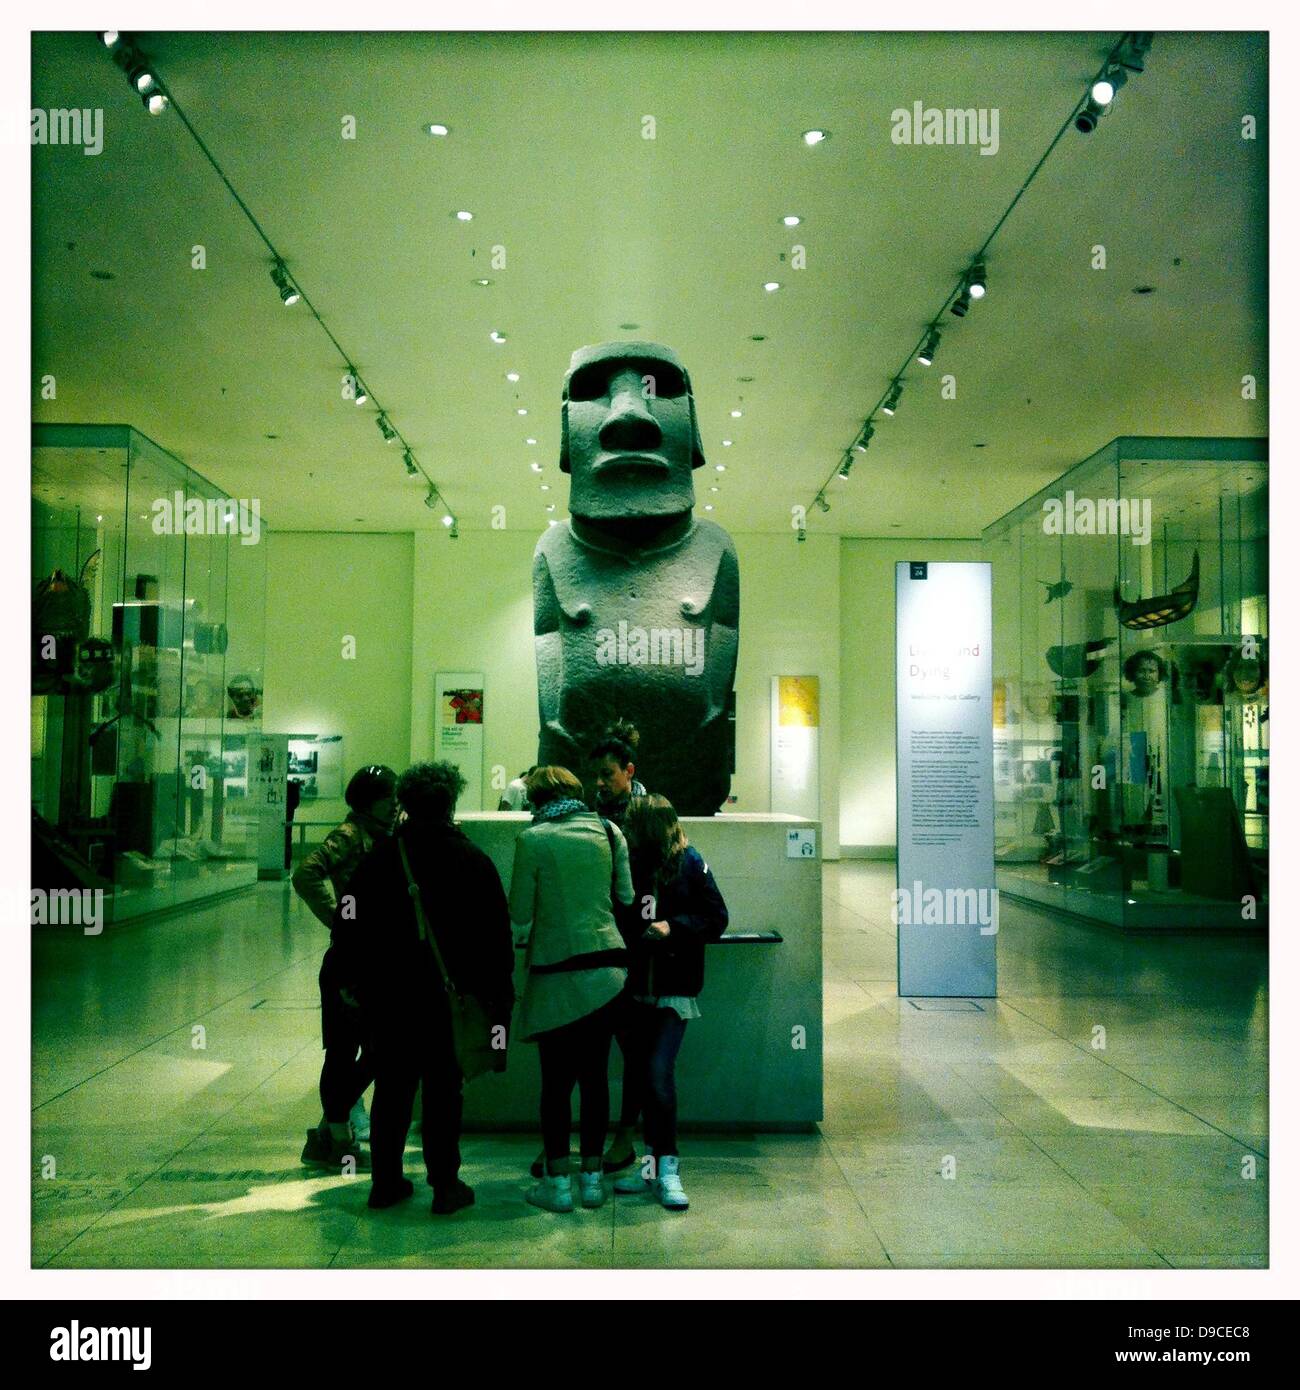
(604, 228)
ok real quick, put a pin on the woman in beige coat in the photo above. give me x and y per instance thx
(569, 867)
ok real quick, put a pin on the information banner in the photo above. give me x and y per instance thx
(796, 717)
(458, 730)
(946, 904)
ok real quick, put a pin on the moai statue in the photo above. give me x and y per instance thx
(636, 604)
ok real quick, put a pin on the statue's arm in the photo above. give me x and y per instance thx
(547, 642)
(725, 636)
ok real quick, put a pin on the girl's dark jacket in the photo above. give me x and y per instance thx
(693, 908)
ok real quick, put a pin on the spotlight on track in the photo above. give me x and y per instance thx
(1101, 96)
(864, 439)
(289, 295)
(823, 503)
(926, 356)
(977, 282)
(111, 38)
(156, 102)
(448, 519)
(890, 403)
(362, 395)
(846, 466)
(431, 498)
(961, 305)
(386, 429)
(409, 464)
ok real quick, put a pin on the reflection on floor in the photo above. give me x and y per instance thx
(959, 1135)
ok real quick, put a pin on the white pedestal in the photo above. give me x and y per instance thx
(755, 1057)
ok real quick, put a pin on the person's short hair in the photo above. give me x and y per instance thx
(369, 785)
(428, 791)
(619, 741)
(546, 784)
(1135, 659)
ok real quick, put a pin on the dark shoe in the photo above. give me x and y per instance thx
(621, 1167)
(381, 1197)
(449, 1199)
(315, 1152)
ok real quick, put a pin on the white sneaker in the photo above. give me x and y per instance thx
(668, 1185)
(637, 1178)
(552, 1194)
(360, 1122)
(593, 1189)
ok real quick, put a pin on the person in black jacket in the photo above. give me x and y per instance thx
(391, 971)
(677, 910)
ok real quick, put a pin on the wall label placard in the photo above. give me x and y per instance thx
(946, 903)
(458, 729)
(801, 844)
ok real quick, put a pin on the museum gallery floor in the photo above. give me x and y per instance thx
(1059, 1154)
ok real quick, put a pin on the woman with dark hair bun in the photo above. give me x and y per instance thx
(614, 757)
(320, 881)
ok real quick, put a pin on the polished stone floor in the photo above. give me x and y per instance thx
(960, 1135)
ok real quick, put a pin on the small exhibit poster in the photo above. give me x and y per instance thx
(946, 904)
(458, 729)
(796, 720)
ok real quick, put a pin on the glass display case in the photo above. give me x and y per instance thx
(147, 657)
(1131, 709)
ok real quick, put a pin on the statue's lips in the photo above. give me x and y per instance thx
(617, 461)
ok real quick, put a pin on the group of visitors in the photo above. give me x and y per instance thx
(613, 909)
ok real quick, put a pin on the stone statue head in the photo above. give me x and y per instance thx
(628, 434)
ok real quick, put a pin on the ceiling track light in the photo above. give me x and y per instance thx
(890, 403)
(846, 466)
(409, 464)
(386, 429)
(926, 356)
(362, 395)
(1101, 96)
(864, 439)
(431, 497)
(977, 281)
(289, 294)
(823, 503)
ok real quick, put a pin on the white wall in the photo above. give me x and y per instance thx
(320, 588)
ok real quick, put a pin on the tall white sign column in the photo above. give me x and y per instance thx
(946, 903)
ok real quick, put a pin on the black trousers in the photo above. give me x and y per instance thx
(577, 1054)
(404, 1062)
(348, 1067)
(651, 1039)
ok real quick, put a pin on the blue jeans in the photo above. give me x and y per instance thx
(651, 1039)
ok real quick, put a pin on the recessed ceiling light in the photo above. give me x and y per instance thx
(629, 327)
(736, 414)
(708, 506)
(726, 444)
(512, 376)
(437, 128)
(551, 522)
(481, 283)
(815, 137)
(791, 220)
(463, 216)
(497, 337)
(521, 411)
(536, 467)
(550, 506)
(546, 487)
(772, 286)
(713, 487)
(530, 440)
(720, 467)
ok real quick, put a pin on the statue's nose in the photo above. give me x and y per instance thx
(630, 426)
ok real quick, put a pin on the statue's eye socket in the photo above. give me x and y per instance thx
(668, 381)
(589, 384)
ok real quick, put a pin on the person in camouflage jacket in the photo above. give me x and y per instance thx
(321, 882)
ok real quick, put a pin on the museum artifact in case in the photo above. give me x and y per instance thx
(1131, 710)
(148, 622)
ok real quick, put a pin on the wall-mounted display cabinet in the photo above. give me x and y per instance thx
(1131, 697)
(147, 661)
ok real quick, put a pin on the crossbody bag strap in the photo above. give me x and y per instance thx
(413, 888)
